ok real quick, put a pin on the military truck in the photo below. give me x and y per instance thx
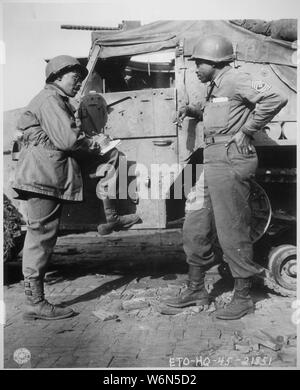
(138, 78)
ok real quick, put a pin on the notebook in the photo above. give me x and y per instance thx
(109, 146)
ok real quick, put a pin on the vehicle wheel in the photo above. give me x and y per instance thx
(261, 211)
(282, 266)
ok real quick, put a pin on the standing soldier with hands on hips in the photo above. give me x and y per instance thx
(235, 108)
(47, 175)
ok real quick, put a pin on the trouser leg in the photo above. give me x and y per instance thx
(107, 191)
(227, 173)
(197, 244)
(108, 173)
(198, 227)
(43, 217)
(42, 228)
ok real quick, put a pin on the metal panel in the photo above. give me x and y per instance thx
(145, 157)
(149, 113)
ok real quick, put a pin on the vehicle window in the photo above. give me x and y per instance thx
(150, 71)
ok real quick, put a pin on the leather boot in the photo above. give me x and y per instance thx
(195, 294)
(37, 307)
(114, 222)
(241, 302)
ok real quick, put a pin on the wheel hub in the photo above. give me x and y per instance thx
(291, 269)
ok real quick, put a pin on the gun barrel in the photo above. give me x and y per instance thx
(90, 28)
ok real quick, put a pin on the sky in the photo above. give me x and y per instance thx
(30, 31)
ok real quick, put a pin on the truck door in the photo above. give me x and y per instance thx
(144, 123)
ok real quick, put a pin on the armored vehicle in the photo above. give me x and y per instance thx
(138, 78)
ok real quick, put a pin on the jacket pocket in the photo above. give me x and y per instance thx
(216, 117)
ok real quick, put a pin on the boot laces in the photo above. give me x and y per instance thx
(48, 305)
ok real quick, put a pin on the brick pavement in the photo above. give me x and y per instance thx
(142, 337)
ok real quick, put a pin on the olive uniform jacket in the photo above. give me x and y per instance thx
(237, 102)
(46, 164)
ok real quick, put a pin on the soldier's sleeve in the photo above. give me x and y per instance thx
(61, 128)
(27, 120)
(195, 111)
(264, 99)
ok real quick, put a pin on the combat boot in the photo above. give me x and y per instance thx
(241, 302)
(37, 307)
(115, 222)
(195, 294)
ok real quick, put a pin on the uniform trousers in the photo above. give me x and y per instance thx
(43, 216)
(220, 207)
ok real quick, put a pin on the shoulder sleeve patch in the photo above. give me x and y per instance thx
(260, 86)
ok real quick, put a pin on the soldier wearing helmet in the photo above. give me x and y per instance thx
(47, 175)
(235, 108)
(61, 65)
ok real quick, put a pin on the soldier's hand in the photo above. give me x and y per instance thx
(243, 143)
(182, 113)
(95, 146)
(97, 141)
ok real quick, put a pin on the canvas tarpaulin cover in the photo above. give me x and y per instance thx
(165, 35)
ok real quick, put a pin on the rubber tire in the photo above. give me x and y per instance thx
(277, 256)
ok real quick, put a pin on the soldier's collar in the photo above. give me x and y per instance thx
(216, 81)
(59, 90)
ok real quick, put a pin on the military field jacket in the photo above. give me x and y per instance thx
(235, 101)
(50, 138)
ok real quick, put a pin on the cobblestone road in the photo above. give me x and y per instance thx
(120, 321)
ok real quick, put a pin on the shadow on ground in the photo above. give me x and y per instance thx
(158, 269)
(73, 269)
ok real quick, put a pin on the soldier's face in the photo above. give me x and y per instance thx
(204, 71)
(70, 82)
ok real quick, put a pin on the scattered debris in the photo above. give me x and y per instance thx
(241, 343)
(145, 313)
(288, 355)
(191, 310)
(150, 292)
(134, 313)
(268, 343)
(255, 347)
(134, 304)
(211, 308)
(105, 315)
(197, 309)
(292, 340)
(127, 294)
(223, 299)
(281, 340)
(183, 313)
(238, 335)
(116, 305)
(244, 348)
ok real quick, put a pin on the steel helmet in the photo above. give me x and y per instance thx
(57, 64)
(214, 48)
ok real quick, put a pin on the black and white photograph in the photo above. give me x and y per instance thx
(149, 187)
